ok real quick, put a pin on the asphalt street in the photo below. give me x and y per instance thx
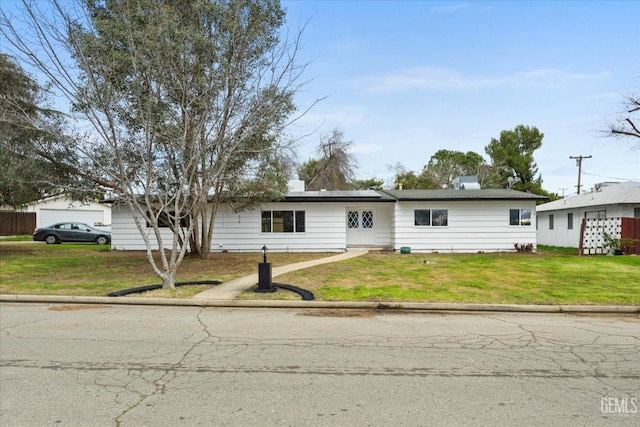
(116, 365)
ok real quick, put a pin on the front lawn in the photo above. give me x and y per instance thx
(36, 268)
(551, 277)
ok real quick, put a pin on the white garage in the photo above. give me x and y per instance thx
(62, 209)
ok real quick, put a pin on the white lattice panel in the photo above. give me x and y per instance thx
(594, 231)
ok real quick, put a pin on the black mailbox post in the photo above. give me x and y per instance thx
(265, 283)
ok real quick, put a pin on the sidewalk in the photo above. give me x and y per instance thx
(230, 290)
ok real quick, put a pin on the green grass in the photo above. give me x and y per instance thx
(93, 270)
(558, 250)
(551, 277)
(16, 238)
(67, 269)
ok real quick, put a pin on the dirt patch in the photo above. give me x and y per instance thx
(18, 248)
(76, 307)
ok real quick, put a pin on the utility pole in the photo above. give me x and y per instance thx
(579, 164)
(563, 191)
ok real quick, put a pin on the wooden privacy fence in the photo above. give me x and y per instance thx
(593, 240)
(631, 230)
(17, 223)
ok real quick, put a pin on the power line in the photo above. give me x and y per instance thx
(579, 164)
(611, 177)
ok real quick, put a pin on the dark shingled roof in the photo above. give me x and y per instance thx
(338, 196)
(408, 195)
(402, 195)
(488, 194)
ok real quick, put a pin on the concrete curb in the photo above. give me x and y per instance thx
(390, 306)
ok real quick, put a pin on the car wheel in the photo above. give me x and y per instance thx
(51, 239)
(102, 240)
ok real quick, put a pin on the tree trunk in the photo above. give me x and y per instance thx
(205, 247)
(168, 281)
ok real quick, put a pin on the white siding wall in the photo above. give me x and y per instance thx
(616, 211)
(384, 225)
(126, 236)
(561, 235)
(472, 226)
(324, 229)
(626, 211)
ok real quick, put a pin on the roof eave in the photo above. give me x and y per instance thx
(320, 199)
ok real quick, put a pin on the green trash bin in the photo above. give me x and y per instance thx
(405, 250)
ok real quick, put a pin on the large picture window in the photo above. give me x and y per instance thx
(166, 220)
(283, 222)
(431, 217)
(520, 217)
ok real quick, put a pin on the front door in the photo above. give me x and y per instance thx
(361, 227)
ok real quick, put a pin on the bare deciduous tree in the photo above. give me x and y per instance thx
(627, 126)
(187, 104)
(334, 169)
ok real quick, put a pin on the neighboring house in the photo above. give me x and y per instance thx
(319, 221)
(560, 221)
(62, 209)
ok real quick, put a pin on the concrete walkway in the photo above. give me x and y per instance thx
(230, 290)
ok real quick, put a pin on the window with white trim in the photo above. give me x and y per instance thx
(595, 214)
(431, 217)
(283, 221)
(520, 217)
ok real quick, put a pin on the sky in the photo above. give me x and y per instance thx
(404, 79)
